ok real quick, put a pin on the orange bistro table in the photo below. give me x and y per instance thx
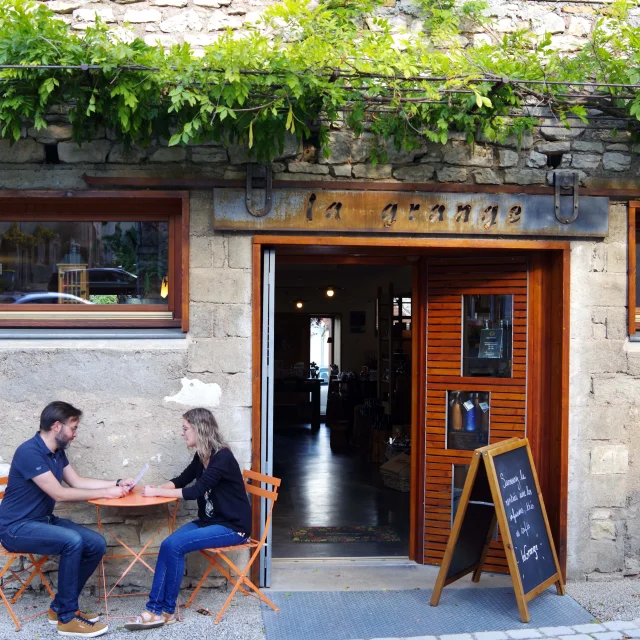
(133, 500)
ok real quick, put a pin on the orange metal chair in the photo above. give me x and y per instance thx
(34, 569)
(218, 559)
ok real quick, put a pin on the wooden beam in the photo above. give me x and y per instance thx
(351, 185)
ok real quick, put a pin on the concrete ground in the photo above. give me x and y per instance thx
(242, 620)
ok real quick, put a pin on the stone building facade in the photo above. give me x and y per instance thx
(142, 386)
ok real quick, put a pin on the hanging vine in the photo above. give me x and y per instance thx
(308, 67)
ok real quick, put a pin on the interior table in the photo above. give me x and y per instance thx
(306, 386)
(133, 500)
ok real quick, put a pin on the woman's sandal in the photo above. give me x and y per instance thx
(169, 618)
(146, 620)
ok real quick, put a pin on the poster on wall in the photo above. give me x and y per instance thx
(357, 321)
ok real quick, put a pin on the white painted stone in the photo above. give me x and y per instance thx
(221, 20)
(65, 6)
(170, 3)
(579, 27)
(195, 393)
(549, 23)
(212, 4)
(187, 20)
(201, 40)
(159, 39)
(138, 16)
(603, 530)
(88, 14)
(523, 634)
(566, 43)
(556, 631)
(601, 514)
(490, 635)
(609, 459)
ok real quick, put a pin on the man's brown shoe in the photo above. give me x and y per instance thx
(52, 616)
(81, 628)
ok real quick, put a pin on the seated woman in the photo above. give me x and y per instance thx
(224, 513)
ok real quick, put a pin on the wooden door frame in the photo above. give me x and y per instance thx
(554, 271)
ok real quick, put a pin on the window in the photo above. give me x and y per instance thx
(633, 260)
(88, 259)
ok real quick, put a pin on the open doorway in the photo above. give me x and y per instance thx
(342, 331)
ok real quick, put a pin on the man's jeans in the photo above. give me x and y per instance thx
(79, 548)
(170, 566)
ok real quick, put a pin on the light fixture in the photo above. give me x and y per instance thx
(299, 304)
(164, 288)
(330, 292)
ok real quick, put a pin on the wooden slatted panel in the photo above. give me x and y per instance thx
(448, 280)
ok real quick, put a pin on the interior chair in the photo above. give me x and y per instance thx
(218, 558)
(33, 569)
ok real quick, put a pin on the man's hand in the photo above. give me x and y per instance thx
(150, 491)
(115, 492)
(128, 482)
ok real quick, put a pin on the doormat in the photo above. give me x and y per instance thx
(344, 534)
(344, 615)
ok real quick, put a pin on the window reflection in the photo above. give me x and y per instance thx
(83, 262)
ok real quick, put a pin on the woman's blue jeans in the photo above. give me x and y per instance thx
(79, 548)
(170, 566)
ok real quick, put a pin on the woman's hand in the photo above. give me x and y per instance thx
(150, 491)
(128, 482)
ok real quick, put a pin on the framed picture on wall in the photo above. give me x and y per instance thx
(357, 321)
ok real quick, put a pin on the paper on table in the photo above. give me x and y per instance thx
(139, 477)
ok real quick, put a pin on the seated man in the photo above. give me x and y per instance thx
(27, 523)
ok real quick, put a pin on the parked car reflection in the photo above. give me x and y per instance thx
(105, 281)
(44, 297)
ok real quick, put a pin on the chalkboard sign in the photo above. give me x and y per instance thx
(502, 487)
(525, 519)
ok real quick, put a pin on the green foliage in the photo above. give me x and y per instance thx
(312, 66)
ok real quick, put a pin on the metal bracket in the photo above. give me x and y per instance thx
(268, 201)
(566, 181)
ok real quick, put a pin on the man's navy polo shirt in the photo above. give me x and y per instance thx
(24, 499)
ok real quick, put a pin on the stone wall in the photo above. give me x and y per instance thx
(604, 484)
(200, 22)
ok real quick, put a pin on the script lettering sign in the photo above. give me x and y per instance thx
(332, 211)
(502, 489)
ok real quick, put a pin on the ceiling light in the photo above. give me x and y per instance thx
(330, 292)
(299, 304)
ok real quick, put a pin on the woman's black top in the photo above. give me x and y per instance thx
(219, 490)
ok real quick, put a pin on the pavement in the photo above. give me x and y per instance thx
(612, 609)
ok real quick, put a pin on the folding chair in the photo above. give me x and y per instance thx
(224, 565)
(34, 569)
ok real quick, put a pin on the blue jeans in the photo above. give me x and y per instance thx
(170, 566)
(79, 548)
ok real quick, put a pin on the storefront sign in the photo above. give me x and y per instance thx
(327, 211)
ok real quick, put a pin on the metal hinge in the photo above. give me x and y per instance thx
(566, 183)
(268, 198)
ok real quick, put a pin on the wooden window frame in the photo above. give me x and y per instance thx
(633, 312)
(120, 206)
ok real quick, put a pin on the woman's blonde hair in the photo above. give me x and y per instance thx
(209, 440)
